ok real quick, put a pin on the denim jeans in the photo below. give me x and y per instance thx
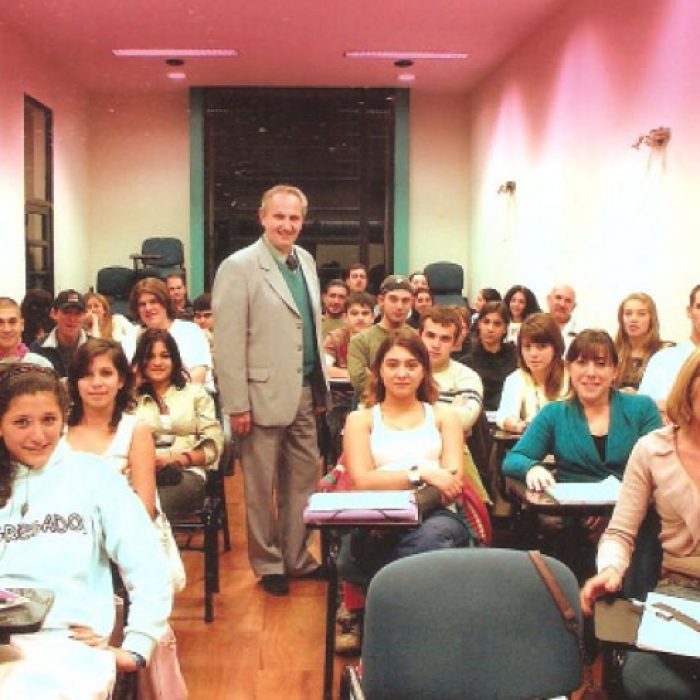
(363, 552)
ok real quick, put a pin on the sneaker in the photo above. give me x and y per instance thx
(348, 632)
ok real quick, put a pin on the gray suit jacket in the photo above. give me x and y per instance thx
(258, 336)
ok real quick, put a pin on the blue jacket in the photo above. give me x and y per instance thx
(561, 429)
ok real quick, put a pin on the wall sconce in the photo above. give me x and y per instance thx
(508, 187)
(656, 139)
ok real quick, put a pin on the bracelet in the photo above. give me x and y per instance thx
(188, 457)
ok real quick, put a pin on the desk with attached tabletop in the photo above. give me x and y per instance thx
(532, 504)
(337, 529)
(501, 442)
(28, 617)
(617, 623)
(544, 504)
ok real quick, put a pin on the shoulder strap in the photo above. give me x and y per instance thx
(562, 602)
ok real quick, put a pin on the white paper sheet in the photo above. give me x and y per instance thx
(361, 500)
(660, 634)
(598, 492)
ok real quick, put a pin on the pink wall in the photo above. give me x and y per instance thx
(26, 71)
(139, 185)
(559, 118)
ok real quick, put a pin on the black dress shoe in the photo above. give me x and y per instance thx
(318, 574)
(275, 584)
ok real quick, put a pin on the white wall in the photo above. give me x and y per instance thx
(439, 179)
(139, 184)
(559, 118)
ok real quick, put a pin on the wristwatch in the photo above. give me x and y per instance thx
(414, 476)
(138, 659)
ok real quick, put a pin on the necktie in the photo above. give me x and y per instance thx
(291, 262)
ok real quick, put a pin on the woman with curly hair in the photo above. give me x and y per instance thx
(521, 303)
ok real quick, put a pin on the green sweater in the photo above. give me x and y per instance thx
(297, 286)
(561, 429)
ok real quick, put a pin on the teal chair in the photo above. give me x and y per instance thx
(466, 623)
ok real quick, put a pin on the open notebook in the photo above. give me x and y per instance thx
(670, 628)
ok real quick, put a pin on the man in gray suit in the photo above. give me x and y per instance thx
(272, 382)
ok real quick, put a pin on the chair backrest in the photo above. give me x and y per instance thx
(446, 281)
(474, 623)
(115, 282)
(170, 250)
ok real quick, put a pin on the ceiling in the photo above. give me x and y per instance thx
(281, 42)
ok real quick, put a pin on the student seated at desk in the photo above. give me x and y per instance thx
(590, 434)
(491, 357)
(637, 338)
(664, 472)
(73, 514)
(403, 441)
(540, 377)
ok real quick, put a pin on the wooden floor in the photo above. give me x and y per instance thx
(258, 647)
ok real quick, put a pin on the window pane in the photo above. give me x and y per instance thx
(36, 259)
(35, 162)
(36, 227)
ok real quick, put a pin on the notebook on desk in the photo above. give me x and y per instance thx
(670, 624)
(605, 492)
(362, 507)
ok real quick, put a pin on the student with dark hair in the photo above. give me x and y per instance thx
(356, 277)
(357, 316)
(491, 357)
(592, 433)
(333, 298)
(182, 418)
(204, 317)
(59, 346)
(101, 420)
(401, 441)
(78, 516)
(177, 291)
(36, 312)
(12, 349)
(484, 296)
(521, 303)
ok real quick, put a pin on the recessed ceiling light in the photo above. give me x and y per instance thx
(407, 55)
(174, 53)
(407, 77)
(177, 76)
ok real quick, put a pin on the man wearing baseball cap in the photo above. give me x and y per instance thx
(68, 311)
(395, 299)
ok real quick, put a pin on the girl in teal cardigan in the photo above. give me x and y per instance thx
(592, 433)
